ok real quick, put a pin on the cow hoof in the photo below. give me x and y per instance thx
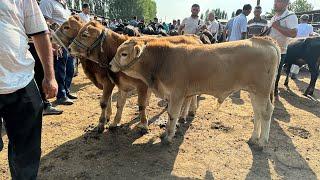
(252, 142)
(100, 129)
(113, 126)
(165, 139)
(191, 113)
(143, 128)
(182, 121)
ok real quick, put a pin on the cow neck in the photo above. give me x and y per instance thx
(111, 44)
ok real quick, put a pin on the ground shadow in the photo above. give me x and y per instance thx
(302, 86)
(287, 162)
(79, 86)
(280, 112)
(113, 155)
(301, 102)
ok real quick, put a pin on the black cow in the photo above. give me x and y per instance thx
(309, 51)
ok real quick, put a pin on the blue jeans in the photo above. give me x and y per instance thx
(64, 69)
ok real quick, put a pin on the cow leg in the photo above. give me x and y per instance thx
(256, 121)
(174, 109)
(105, 103)
(193, 105)
(286, 83)
(264, 109)
(185, 109)
(143, 99)
(276, 91)
(121, 101)
(314, 70)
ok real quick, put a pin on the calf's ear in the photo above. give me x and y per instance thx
(138, 50)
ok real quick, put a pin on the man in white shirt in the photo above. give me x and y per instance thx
(239, 26)
(56, 11)
(228, 29)
(20, 102)
(85, 14)
(304, 29)
(192, 24)
(213, 26)
(283, 27)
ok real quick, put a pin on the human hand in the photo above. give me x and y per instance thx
(50, 87)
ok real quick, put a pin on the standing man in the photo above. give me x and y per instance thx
(304, 29)
(56, 11)
(192, 24)
(213, 26)
(239, 27)
(85, 14)
(256, 25)
(20, 101)
(283, 27)
(228, 29)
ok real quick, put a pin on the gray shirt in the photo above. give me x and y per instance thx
(239, 26)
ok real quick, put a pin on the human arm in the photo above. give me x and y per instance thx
(44, 50)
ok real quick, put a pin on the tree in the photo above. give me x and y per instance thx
(301, 6)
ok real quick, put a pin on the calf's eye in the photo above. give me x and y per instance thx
(124, 54)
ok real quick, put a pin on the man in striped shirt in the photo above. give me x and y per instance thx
(257, 24)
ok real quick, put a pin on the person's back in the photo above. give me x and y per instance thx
(239, 26)
(304, 30)
(228, 28)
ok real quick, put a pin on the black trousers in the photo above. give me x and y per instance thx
(38, 74)
(22, 113)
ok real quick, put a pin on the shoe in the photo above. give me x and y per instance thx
(72, 96)
(49, 110)
(64, 101)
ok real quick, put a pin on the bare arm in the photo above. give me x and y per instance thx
(285, 31)
(44, 49)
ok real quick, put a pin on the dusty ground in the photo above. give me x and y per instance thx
(213, 145)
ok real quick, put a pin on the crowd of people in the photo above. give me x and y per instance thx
(26, 65)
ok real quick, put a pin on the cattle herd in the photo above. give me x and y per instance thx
(178, 68)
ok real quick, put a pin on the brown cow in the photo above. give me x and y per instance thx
(98, 44)
(98, 75)
(177, 72)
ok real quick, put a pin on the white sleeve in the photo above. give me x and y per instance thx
(243, 25)
(34, 21)
(46, 8)
(292, 22)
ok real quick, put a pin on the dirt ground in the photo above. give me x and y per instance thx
(212, 145)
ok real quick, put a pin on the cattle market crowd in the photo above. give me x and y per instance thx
(40, 57)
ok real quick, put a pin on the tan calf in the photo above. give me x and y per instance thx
(177, 72)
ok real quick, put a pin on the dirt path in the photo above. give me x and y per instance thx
(213, 145)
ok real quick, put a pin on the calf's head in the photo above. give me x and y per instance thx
(88, 42)
(65, 34)
(128, 54)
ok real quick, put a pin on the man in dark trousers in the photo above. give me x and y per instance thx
(20, 100)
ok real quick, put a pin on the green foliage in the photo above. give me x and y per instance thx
(120, 9)
(301, 6)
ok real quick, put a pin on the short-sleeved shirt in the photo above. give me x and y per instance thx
(229, 27)
(290, 22)
(191, 25)
(214, 28)
(239, 26)
(256, 26)
(55, 11)
(84, 17)
(19, 18)
(304, 30)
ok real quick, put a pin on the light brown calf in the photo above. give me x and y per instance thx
(176, 72)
